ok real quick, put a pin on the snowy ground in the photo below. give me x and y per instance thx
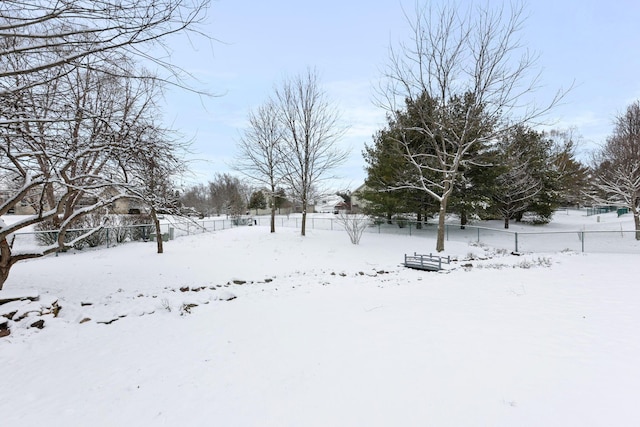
(322, 333)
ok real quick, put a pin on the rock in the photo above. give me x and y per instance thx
(5, 332)
(226, 296)
(9, 315)
(85, 320)
(239, 282)
(8, 296)
(38, 324)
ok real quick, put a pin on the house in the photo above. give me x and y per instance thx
(124, 205)
(23, 207)
(358, 203)
(331, 205)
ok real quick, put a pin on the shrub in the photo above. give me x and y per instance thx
(354, 224)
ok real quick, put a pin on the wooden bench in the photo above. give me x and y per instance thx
(426, 262)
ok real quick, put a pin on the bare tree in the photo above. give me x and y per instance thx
(65, 159)
(311, 131)
(41, 35)
(197, 197)
(228, 195)
(354, 225)
(617, 165)
(462, 76)
(149, 174)
(259, 152)
(71, 103)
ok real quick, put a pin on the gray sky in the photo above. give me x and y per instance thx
(591, 44)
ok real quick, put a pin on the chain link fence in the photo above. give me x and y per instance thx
(530, 241)
(113, 235)
(513, 241)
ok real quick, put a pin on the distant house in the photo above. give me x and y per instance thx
(126, 205)
(331, 205)
(23, 207)
(358, 203)
(26, 206)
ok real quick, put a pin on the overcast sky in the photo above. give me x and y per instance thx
(591, 44)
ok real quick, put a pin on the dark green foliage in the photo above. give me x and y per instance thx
(257, 201)
(280, 200)
(528, 180)
(409, 165)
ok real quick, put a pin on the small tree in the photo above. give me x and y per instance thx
(309, 140)
(227, 195)
(197, 197)
(617, 165)
(354, 225)
(259, 157)
(573, 175)
(279, 200)
(150, 173)
(258, 201)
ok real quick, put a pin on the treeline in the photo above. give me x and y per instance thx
(519, 171)
(227, 194)
(513, 173)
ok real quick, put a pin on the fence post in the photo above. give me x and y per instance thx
(409, 228)
(516, 234)
(446, 229)
(582, 239)
(107, 236)
(478, 234)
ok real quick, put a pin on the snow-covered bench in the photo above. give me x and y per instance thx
(426, 262)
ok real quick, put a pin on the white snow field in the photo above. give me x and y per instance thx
(323, 333)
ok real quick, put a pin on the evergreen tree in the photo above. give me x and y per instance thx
(528, 180)
(257, 201)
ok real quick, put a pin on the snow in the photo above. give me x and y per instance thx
(324, 333)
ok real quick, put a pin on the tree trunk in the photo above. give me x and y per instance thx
(5, 261)
(303, 229)
(463, 218)
(441, 226)
(156, 223)
(636, 220)
(273, 218)
(506, 222)
(4, 274)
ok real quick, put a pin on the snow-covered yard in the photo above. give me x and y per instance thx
(322, 333)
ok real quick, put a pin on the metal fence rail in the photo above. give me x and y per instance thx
(530, 241)
(517, 241)
(33, 241)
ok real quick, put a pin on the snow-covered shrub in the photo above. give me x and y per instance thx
(354, 225)
(141, 227)
(47, 234)
(127, 227)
